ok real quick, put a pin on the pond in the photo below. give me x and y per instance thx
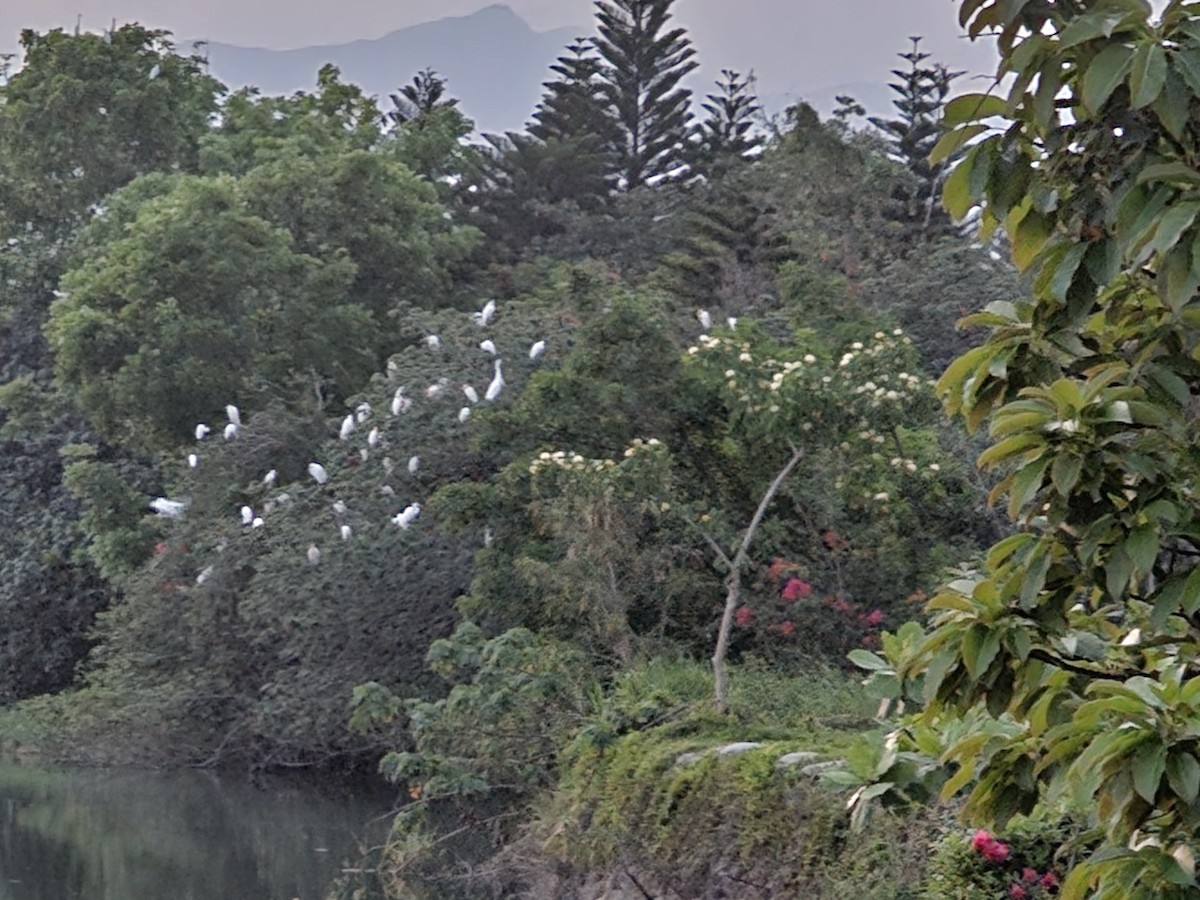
(132, 835)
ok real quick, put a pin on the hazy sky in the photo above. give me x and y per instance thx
(790, 43)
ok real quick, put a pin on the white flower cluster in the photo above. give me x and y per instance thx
(575, 462)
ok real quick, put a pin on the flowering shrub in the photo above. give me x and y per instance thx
(985, 867)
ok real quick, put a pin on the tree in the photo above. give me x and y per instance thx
(423, 96)
(643, 64)
(1064, 676)
(922, 92)
(724, 134)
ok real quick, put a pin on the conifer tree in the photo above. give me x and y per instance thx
(419, 98)
(922, 91)
(724, 135)
(574, 105)
(643, 63)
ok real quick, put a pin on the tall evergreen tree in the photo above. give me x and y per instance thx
(419, 98)
(644, 62)
(922, 90)
(575, 104)
(724, 135)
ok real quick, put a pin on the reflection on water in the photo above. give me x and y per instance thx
(104, 835)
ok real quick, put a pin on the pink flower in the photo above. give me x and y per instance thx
(794, 590)
(1049, 880)
(981, 839)
(1029, 875)
(743, 615)
(787, 628)
(874, 617)
(1017, 892)
(996, 851)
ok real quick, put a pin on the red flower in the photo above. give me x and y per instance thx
(794, 590)
(788, 628)
(778, 567)
(1017, 892)
(1049, 880)
(743, 615)
(874, 617)
(1029, 874)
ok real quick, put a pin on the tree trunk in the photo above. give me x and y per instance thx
(733, 597)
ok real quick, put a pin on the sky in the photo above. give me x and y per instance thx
(801, 45)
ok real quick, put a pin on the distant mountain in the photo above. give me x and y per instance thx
(492, 60)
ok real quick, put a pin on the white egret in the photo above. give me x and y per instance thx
(703, 317)
(471, 393)
(364, 454)
(433, 342)
(193, 460)
(484, 316)
(284, 498)
(487, 347)
(347, 428)
(407, 516)
(231, 431)
(204, 574)
(201, 431)
(314, 555)
(373, 437)
(339, 507)
(155, 70)
(269, 478)
(732, 322)
(233, 414)
(317, 471)
(414, 463)
(258, 522)
(346, 532)
(435, 389)
(488, 536)
(362, 412)
(464, 414)
(388, 465)
(400, 403)
(247, 515)
(168, 509)
(537, 350)
(497, 385)
(387, 490)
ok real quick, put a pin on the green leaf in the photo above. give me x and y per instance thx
(957, 195)
(1089, 26)
(1117, 573)
(1187, 64)
(1064, 473)
(1104, 73)
(1147, 75)
(1142, 547)
(1172, 172)
(1183, 775)
(1148, 767)
(953, 141)
(1029, 237)
(972, 107)
(1026, 485)
(865, 659)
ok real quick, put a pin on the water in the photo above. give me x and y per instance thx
(128, 835)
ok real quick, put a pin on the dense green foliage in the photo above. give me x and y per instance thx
(333, 437)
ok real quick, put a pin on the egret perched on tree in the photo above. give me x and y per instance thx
(703, 317)
(347, 428)
(231, 431)
(414, 463)
(433, 342)
(400, 403)
(204, 574)
(346, 532)
(388, 491)
(193, 460)
(317, 471)
(484, 316)
(201, 431)
(314, 555)
(471, 393)
(233, 415)
(435, 389)
(537, 350)
(169, 509)
(373, 437)
(155, 71)
(362, 412)
(247, 515)
(269, 478)
(258, 522)
(732, 322)
(497, 385)
(488, 347)
(464, 414)
(409, 515)
(388, 465)
(339, 507)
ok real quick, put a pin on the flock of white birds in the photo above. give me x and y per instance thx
(400, 404)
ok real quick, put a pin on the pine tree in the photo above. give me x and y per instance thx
(419, 98)
(922, 91)
(574, 105)
(643, 63)
(724, 135)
